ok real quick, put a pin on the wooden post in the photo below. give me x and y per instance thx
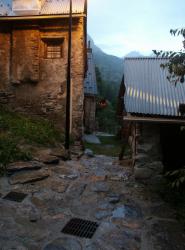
(68, 94)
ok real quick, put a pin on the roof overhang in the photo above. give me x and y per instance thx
(37, 17)
(132, 118)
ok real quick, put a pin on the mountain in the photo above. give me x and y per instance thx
(111, 67)
(134, 54)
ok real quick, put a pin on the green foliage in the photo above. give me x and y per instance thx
(107, 119)
(177, 178)
(111, 67)
(9, 152)
(110, 146)
(17, 130)
(40, 131)
(176, 64)
(107, 89)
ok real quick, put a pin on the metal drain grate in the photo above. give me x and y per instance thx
(80, 228)
(15, 196)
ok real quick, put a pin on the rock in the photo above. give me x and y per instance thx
(127, 212)
(119, 177)
(70, 177)
(141, 159)
(75, 190)
(131, 224)
(48, 159)
(142, 173)
(102, 214)
(89, 153)
(61, 153)
(21, 165)
(100, 187)
(12, 245)
(156, 166)
(64, 244)
(114, 198)
(105, 205)
(28, 176)
(163, 234)
(34, 216)
(144, 148)
(63, 170)
(95, 178)
(54, 184)
(93, 139)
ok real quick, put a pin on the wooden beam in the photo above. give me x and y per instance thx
(36, 17)
(153, 120)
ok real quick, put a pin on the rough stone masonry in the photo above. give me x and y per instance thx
(33, 68)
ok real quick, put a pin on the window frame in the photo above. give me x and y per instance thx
(58, 46)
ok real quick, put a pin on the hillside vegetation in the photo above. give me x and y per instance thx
(111, 67)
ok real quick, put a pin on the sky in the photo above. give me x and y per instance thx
(121, 26)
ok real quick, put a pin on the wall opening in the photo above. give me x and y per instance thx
(172, 139)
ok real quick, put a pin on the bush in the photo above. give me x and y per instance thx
(177, 177)
(16, 129)
(32, 130)
(9, 152)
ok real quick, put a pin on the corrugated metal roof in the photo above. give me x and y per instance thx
(148, 90)
(90, 84)
(5, 7)
(48, 7)
(62, 7)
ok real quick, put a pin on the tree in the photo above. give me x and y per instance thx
(176, 63)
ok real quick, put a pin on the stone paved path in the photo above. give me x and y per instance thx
(130, 217)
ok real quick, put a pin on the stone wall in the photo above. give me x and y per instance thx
(90, 113)
(148, 159)
(32, 83)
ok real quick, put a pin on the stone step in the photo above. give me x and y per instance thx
(22, 166)
(28, 176)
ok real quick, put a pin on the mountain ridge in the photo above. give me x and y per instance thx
(111, 67)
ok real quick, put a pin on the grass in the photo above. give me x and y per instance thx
(31, 130)
(110, 146)
(17, 130)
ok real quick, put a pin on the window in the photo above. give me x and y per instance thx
(53, 48)
(54, 51)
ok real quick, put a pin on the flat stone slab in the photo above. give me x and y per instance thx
(100, 187)
(64, 244)
(89, 153)
(28, 176)
(48, 159)
(114, 198)
(102, 214)
(127, 211)
(21, 165)
(163, 234)
(93, 139)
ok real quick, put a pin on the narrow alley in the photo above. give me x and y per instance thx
(96, 189)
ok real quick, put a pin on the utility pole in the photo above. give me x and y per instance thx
(68, 94)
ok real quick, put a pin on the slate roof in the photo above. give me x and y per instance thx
(148, 90)
(90, 84)
(48, 7)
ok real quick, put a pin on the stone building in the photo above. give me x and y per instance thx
(151, 108)
(33, 52)
(90, 91)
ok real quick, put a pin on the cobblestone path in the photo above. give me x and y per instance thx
(98, 189)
